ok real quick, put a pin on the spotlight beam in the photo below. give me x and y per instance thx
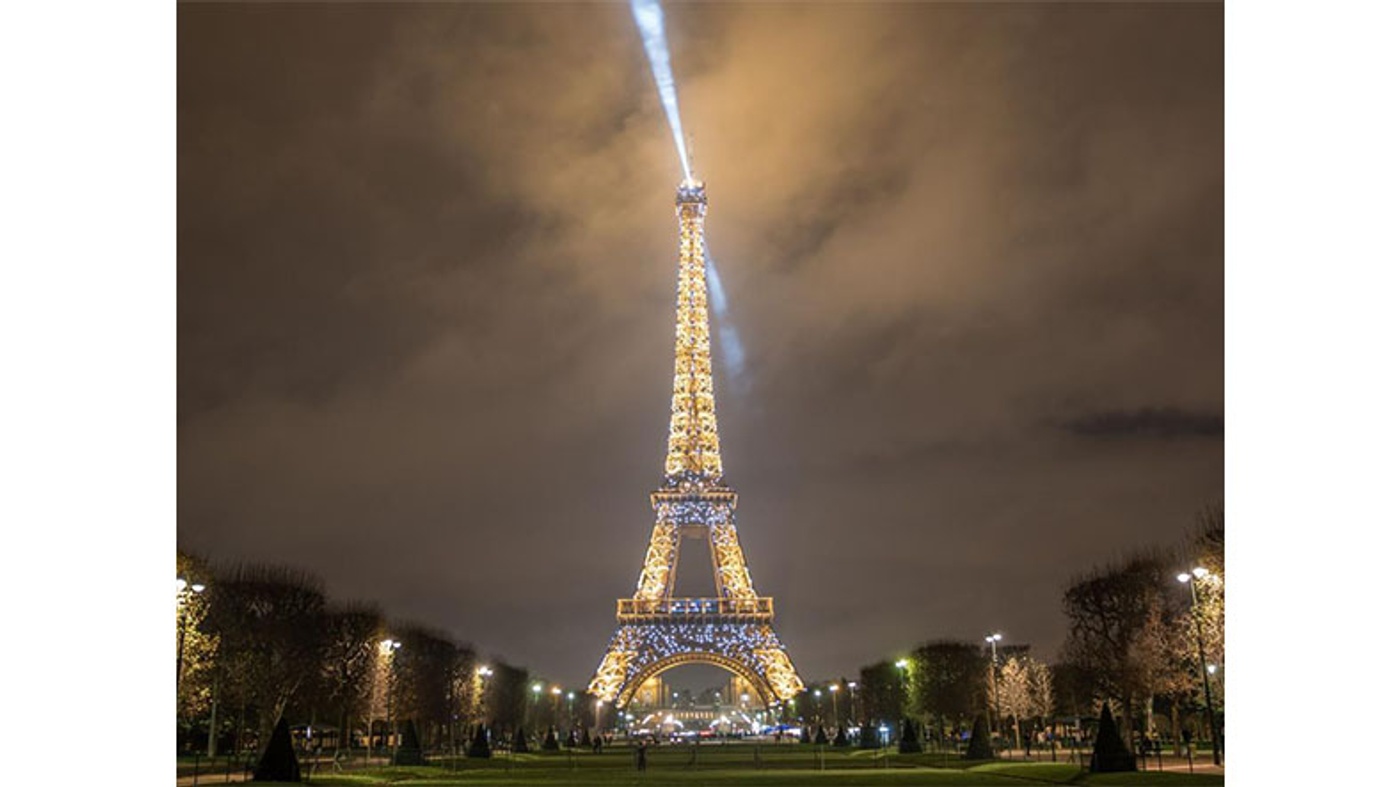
(651, 23)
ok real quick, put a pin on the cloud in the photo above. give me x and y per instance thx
(1147, 422)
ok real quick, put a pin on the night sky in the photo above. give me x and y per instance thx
(426, 260)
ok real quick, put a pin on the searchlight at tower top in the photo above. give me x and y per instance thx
(691, 192)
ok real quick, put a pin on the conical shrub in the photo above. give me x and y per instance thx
(979, 746)
(806, 736)
(842, 739)
(869, 739)
(551, 741)
(520, 745)
(909, 742)
(279, 760)
(821, 739)
(1111, 754)
(481, 745)
(410, 751)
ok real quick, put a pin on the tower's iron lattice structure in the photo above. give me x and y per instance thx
(657, 630)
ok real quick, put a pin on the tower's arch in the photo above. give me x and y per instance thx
(731, 665)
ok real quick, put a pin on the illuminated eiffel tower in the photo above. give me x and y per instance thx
(734, 629)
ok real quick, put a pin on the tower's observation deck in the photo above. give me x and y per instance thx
(732, 629)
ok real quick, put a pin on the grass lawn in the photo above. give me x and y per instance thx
(768, 766)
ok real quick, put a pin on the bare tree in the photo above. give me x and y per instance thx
(196, 647)
(270, 622)
(353, 632)
(423, 679)
(1112, 615)
(1025, 691)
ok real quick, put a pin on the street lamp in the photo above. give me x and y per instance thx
(835, 714)
(183, 591)
(852, 686)
(903, 665)
(554, 707)
(387, 648)
(996, 685)
(1199, 574)
(484, 673)
(535, 703)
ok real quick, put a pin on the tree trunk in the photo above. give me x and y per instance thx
(1176, 727)
(267, 719)
(242, 723)
(214, 724)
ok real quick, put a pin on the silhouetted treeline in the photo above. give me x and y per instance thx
(1134, 640)
(257, 643)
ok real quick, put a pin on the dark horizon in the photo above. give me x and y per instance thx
(426, 292)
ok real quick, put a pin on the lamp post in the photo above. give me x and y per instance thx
(1198, 574)
(817, 704)
(183, 591)
(835, 714)
(903, 665)
(996, 684)
(554, 707)
(387, 647)
(852, 686)
(484, 673)
(535, 704)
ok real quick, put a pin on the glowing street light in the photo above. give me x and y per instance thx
(483, 672)
(996, 684)
(183, 591)
(903, 665)
(387, 648)
(1199, 574)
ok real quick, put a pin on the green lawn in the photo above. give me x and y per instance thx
(737, 764)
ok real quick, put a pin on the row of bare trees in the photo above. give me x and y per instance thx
(1136, 641)
(1138, 633)
(257, 643)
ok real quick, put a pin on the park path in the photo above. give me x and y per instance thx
(211, 779)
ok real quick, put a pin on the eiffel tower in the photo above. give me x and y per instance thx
(733, 629)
